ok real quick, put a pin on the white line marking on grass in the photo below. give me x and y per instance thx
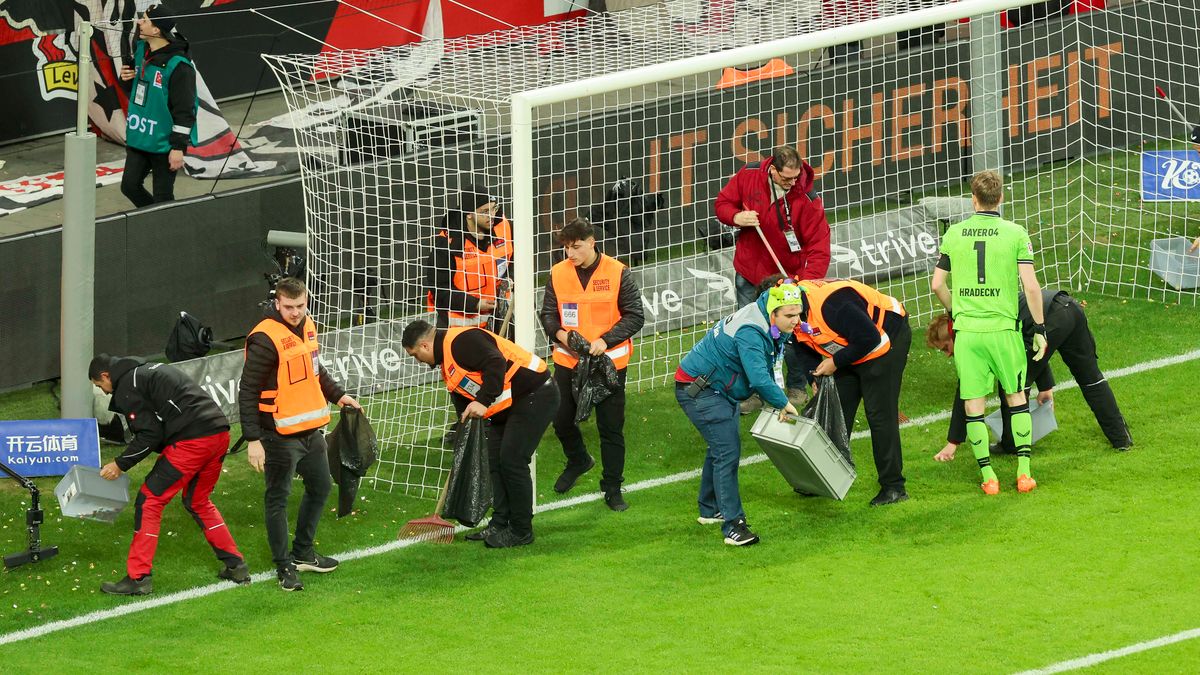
(201, 591)
(1100, 657)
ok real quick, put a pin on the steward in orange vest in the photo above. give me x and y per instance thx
(493, 378)
(595, 296)
(470, 257)
(283, 402)
(861, 337)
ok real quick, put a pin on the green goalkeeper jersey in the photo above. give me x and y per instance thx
(984, 252)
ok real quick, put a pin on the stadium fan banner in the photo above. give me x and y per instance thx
(38, 55)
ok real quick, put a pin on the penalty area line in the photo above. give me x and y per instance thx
(202, 591)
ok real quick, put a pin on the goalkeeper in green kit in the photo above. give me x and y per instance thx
(990, 261)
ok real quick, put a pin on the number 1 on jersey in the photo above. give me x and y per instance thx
(980, 256)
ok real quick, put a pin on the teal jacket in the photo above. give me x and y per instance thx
(738, 356)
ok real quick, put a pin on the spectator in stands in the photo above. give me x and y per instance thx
(861, 337)
(466, 267)
(161, 120)
(493, 378)
(733, 360)
(596, 296)
(283, 402)
(170, 415)
(776, 196)
(1068, 334)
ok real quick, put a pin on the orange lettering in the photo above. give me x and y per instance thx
(1073, 83)
(656, 163)
(752, 126)
(686, 141)
(825, 113)
(944, 116)
(1038, 124)
(851, 134)
(1012, 101)
(901, 152)
(1103, 67)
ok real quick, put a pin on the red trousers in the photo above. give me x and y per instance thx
(192, 466)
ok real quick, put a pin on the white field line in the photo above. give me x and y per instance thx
(201, 591)
(1100, 657)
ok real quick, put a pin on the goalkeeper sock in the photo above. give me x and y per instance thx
(1022, 429)
(977, 436)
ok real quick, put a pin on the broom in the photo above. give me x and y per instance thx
(432, 528)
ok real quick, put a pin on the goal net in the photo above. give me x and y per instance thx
(636, 119)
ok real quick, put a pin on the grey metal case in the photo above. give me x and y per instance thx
(804, 455)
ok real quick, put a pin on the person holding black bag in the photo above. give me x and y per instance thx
(861, 337)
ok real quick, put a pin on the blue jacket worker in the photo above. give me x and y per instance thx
(735, 359)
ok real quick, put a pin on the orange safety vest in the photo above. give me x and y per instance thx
(591, 311)
(477, 272)
(297, 403)
(823, 338)
(468, 383)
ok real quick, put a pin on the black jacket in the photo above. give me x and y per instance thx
(439, 267)
(163, 407)
(476, 350)
(261, 372)
(181, 89)
(629, 305)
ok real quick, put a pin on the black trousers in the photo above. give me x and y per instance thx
(512, 439)
(303, 454)
(610, 422)
(876, 384)
(138, 165)
(1067, 333)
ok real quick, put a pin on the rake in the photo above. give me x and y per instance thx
(432, 528)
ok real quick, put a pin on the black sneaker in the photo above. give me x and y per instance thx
(615, 501)
(317, 563)
(569, 476)
(740, 534)
(238, 574)
(714, 519)
(507, 538)
(480, 535)
(288, 579)
(128, 586)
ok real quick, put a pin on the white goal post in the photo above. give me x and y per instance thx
(636, 119)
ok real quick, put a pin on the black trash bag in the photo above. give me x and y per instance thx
(352, 448)
(595, 377)
(189, 339)
(469, 493)
(826, 410)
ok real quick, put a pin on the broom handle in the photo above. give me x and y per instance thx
(437, 510)
(507, 317)
(758, 228)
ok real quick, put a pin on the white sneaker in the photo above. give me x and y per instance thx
(715, 520)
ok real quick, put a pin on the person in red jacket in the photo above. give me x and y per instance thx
(777, 196)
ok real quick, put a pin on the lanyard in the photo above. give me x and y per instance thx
(783, 212)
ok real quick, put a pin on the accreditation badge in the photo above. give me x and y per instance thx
(139, 93)
(570, 315)
(793, 242)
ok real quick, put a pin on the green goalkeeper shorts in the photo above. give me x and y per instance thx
(982, 359)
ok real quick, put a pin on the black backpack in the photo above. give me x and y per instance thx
(189, 339)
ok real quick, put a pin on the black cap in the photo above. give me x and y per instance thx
(160, 16)
(472, 197)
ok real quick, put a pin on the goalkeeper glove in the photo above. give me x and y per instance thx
(1196, 134)
(1039, 341)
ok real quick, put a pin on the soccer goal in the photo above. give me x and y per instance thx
(636, 119)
